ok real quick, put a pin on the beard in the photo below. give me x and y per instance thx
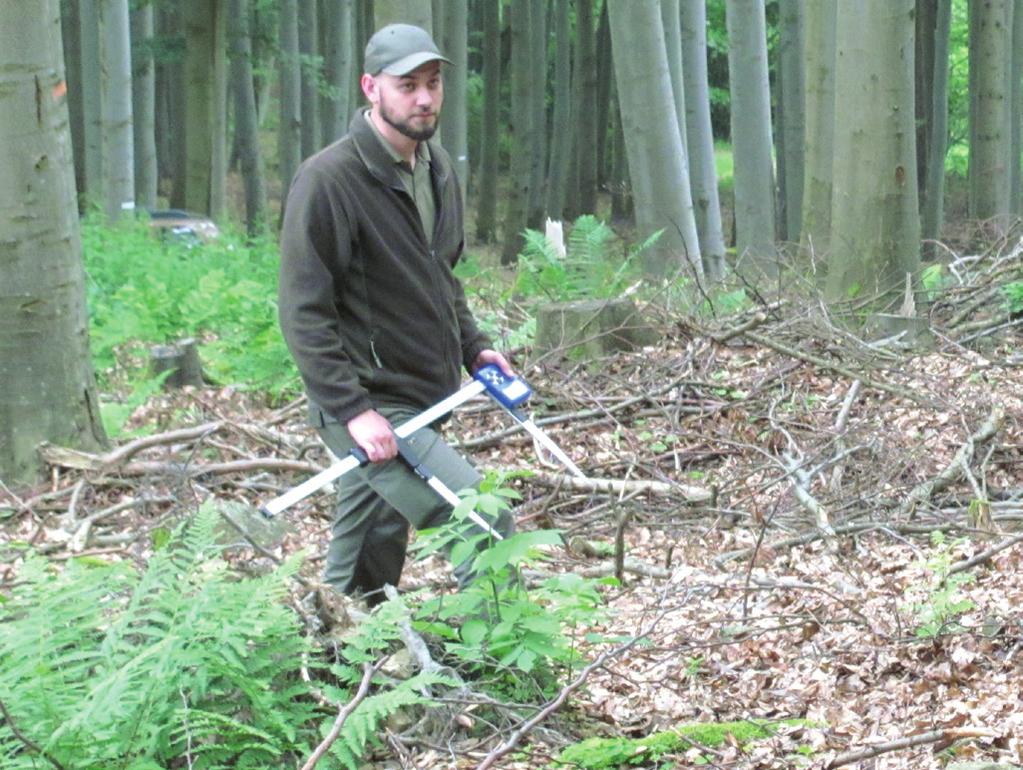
(405, 127)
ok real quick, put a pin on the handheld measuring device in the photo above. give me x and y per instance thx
(510, 391)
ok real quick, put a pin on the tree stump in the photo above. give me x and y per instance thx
(591, 329)
(182, 361)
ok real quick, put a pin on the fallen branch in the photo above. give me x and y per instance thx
(691, 493)
(957, 467)
(984, 556)
(934, 736)
(817, 361)
(132, 448)
(346, 711)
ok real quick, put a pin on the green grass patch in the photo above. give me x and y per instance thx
(610, 753)
(724, 165)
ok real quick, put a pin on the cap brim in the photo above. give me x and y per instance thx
(412, 62)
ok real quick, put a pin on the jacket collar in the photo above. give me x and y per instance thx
(378, 161)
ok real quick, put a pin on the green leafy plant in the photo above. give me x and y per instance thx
(1013, 292)
(495, 627)
(142, 291)
(108, 667)
(586, 271)
(940, 601)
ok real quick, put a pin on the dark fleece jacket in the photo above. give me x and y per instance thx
(371, 312)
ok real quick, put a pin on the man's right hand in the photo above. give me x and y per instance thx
(373, 434)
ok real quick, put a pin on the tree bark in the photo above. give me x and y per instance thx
(455, 124)
(1016, 114)
(289, 131)
(700, 139)
(932, 202)
(819, 68)
(657, 160)
(792, 121)
(118, 135)
(990, 119)
(875, 237)
(584, 83)
(92, 98)
(71, 33)
(205, 107)
(417, 12)
(143, 84)
(519, 174)
(561, 128)
(751, 133)
(340, 68)
(486, 212)
(536, 193)
(308, 47)
(47, 387)
(245, 120)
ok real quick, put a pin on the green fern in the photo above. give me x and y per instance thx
(588, 270)
(104, 667)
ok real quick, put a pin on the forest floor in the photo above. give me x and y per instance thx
(783, 567)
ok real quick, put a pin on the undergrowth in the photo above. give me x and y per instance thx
(143, 290)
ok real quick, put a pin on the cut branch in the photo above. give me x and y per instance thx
(935, 736)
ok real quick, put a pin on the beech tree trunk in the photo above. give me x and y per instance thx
(143, 84)
(340, 68)
(819, 69)
(455, 123)
(245, 119)
(308, 46)
(792, 120)
(118, 135)
(657, 159)
(289, 130)
(205, 106)
(47, 387)
(486, 212)
(418, 12)
(520, 14)
(935, 128)
(751, 132)
(562, 129)
(875, 224)
(700, 138)
(990, 115)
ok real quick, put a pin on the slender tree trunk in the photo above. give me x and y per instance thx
(932, 203)
(700, 138)
(521, 117)
(72, 40)
(47, 387)
(455, 124)
(245, 122)
(585, 86)
(92, 99)
(657, 159)
(118, 135)
(418, 12)
(875, 236)
(990, 129)
(605, 86)
(561, 130)
(205, 107)
(819, 69)
(671, 19)
(308, 42)
(751, 132)
(792, 122)
(1016, 113)
(289, 132)
(486, 212)
(536, 193)
(143, 83)
(340, 65)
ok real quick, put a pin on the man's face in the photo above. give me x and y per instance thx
(410, 103)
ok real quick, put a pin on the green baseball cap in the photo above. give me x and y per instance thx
(397, 49)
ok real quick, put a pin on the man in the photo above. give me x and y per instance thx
(370, 308)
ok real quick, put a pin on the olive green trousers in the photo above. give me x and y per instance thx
(378, 502)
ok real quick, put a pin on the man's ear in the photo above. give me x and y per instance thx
(369, 88)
